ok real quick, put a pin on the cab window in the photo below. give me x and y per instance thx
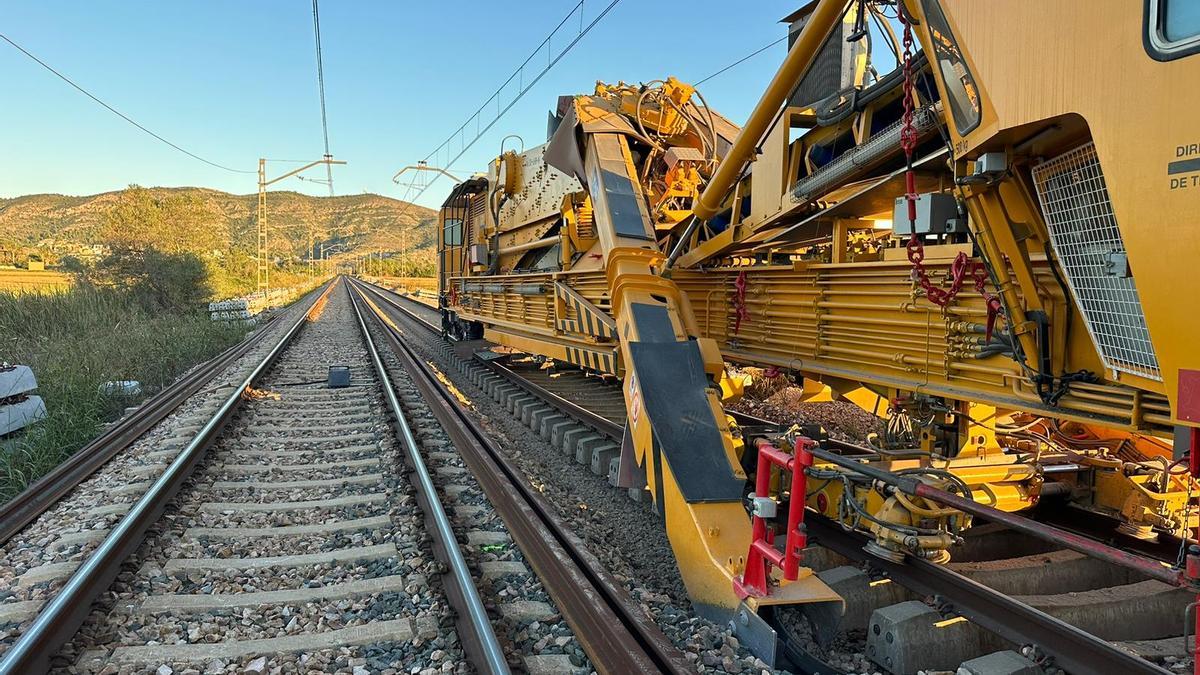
(1172, 28)
(452, 232)
(1180, 19)
(965, 106)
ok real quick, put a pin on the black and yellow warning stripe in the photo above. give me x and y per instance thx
(589, 319)
(603, 361)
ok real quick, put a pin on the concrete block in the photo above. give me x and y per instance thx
(589, 436)
(901, 636)
(494, 569)
(1000, 663)
(546, 424)
(862, 595)
(539, 414)
(1147, 610)
(614, 470)
(640, 495)
(395, 630)
(571, 436)
(514, 402)
(549, 664)
(522, 409)
(601, 456)
(527, 412)
(17, 380)
(19, 415)
(487, 538)
(490, 384)
(558, 429)
(583, 451)
(525, 611)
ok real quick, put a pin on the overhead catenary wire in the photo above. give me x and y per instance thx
(583, 31)
(523, 88)
(740, 61)
(116, 112)
(321, 88)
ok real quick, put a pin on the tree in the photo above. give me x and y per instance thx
(156, 248)
(173, 224)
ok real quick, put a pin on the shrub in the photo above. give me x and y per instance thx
(177, 282)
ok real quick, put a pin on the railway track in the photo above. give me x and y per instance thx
(269, 523)
(276, 524)
(1004, 595)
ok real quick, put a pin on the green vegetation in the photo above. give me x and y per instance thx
(76, 341)
(167, 251)
(414, 265)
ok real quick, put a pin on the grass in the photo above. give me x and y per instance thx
(74, 341)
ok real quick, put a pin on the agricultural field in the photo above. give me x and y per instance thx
(14, 280)
(409, 283)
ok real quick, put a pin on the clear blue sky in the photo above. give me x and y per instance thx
(234, 81)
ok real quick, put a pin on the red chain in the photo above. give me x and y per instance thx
(916, 248)
(993, 302)
(908, 133)
(740, 313)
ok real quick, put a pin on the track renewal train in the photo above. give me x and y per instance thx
(990, 247)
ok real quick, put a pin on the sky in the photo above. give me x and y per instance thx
(233, 81)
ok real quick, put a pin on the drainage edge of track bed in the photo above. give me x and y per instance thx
(992, 610)
(64, 613)
(614, 633)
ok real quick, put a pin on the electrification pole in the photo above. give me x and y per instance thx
(264, 281)
(420, 167)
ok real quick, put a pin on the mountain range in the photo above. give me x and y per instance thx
(351, 224)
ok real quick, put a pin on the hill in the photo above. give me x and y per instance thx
(60, 224)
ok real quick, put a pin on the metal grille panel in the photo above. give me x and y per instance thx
(1088, 243)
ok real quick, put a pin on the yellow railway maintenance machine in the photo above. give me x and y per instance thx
(991, 246)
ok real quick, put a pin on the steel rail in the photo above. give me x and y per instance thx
(613, 631)
(1072, 648)
(62, 615)
(43, 493)
(579, 413)
(477, 635)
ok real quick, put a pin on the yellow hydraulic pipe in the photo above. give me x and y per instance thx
(537, 243)
(820, 22)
